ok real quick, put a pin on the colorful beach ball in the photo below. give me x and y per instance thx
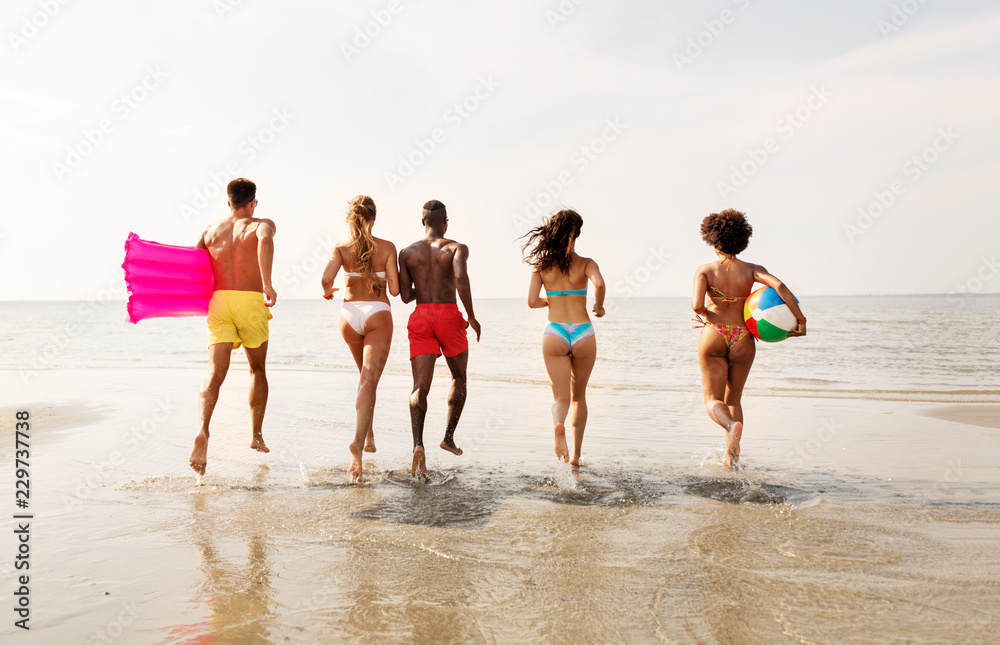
(767, 316)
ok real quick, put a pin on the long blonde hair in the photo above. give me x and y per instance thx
(360, 217)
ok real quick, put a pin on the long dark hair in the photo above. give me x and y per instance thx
(551, 242)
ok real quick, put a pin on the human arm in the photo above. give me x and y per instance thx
(392, 271)
(594, 275)
(699, 293)
(535, 299)
(265, 258)
(330, 273)
(406, 291)
(201, 242)
(460, 265)
(761, 275)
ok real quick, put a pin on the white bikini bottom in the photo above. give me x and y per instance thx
(357, 313)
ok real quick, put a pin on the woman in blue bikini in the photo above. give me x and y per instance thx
(726, 348)
(568, 342)
(370, 277)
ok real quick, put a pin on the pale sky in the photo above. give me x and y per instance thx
(642, 116)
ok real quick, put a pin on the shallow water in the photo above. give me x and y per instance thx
(857, 518)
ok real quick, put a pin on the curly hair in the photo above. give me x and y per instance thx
(728, 231)
(552, 241)
(360, 217)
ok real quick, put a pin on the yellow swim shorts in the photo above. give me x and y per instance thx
(238, 317)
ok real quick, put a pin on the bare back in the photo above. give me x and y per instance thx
(728, 278)
(355, 287)
(431, 266)
(232, 244)
(571, 308)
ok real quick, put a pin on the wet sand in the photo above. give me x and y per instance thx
(852, 522)
(987, 416)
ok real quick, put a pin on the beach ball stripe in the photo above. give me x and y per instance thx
(767, 316)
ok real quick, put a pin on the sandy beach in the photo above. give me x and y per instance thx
(851, 523)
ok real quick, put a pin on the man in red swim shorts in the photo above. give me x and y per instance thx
(431, 271)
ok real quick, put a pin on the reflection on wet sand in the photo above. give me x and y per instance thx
(478, 556)
(235, 588)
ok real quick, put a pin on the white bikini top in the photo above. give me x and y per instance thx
(380, 274)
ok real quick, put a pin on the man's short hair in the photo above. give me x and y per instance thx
(434, 210)
(241, 192)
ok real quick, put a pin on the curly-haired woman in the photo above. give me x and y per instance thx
(568, 342)
(726, 348)
(370, 275)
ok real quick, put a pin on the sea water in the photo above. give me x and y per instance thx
(856, 517)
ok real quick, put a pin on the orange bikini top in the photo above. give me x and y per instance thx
(718, 295)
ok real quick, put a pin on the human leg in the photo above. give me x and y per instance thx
(218, 365)
(257, 357)
(559, 367)
(714, 362)
(356, 343)
(582, 364)
(422, 367)
(377, 339)
(741, 356)
(458, 366)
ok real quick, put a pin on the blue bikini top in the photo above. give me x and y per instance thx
(567, 292)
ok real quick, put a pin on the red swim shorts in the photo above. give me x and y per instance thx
(437, 329)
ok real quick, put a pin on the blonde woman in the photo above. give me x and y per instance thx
(370, 277)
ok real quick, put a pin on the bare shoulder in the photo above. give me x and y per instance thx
(413, 248)
(385, 244)
(457, 247)
(265, 225)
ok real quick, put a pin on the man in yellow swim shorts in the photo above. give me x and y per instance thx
(241, 248)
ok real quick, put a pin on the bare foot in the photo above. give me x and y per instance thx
(259, 445)
(419, 467)
(733, 447)
(575, 463)
(449, 445)
(562, 450)
(370, 442)
(355, 470)
(199, 456)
